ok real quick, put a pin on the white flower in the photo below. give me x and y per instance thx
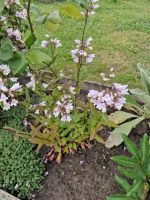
(43, 103)
(3, 97)
(45, 85)
(6, 106)
(44, 43)
(56, 43)
(90, 58)
(10, 32)
(32, 83)
(17, 34)
(37, 112)
(22, 14)
(13, 79)
(63, 108)
(72, 90)
(14, 102)
(3, 18)
(66, 118)
(5, 69)
(15, 87)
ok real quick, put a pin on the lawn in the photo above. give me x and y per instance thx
(120, 38)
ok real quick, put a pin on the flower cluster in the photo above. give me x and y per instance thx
(16, 37)
(92, 6)
(22, 14)
(110, 98)
(9, 87)
(64, 108)
(54, 42)
(9, 3)
(80, 53)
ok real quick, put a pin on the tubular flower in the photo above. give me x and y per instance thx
(80, 53)
(110, 98)
(64, 108)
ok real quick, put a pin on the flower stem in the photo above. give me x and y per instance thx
(29, 18)
(81, 61)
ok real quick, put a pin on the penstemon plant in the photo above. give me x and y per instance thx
(136, 169)
(60, 120)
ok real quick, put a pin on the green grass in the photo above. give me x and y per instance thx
(121, 38)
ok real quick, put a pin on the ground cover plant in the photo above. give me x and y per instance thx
(21, 168)
(56, 114)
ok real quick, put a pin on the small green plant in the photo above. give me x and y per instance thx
(137, 170)
(21, 169)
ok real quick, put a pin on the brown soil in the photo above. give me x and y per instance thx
(86, 175)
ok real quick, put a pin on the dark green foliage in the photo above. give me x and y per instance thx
(136, 169)
(21, 169)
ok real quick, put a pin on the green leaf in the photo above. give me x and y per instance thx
(120, 116)
(119, 197)
(144, 149)
(145, 78)
(2, 3)
(115, 138)
(54, 17)
(40, 19)
(30, 40)
(135, 173)
(125, 161)
(132, 148)
(71, 11)
(6, 50)
(37, 56)
(18, 63)
(123, 183)
(147, 168)
(51, 26)
(135, 188)
(82, 3)
(141, 96)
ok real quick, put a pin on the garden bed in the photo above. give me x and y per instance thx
(88, 174)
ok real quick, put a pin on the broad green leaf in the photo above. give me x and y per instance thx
(125, 161)
(141, 96)
(51, 27)
(35, 11)
(18, 63)
(144, 149)
(134, 173)
(115, 138)
(135, 188)
(123, 183)
(119, 197)
(132, 148)
(71, 11)
(6, 50)
(30, 40)
(82, 3)
(131, 104)
(2, 2)
(120, 116)
(54, 17)
(40, 19)
(145, 78)
(37, 56)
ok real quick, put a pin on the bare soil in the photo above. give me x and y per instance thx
(86, 175)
